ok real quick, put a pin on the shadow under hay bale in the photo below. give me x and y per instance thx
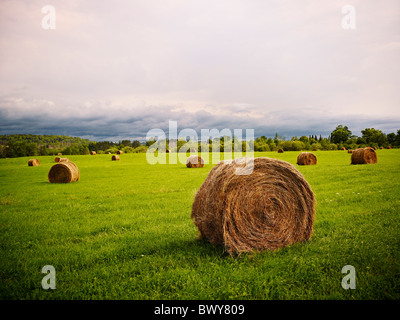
(33, 163)
(364, 156)
(268, 209)
(306, 159)
(63, 172)
(114, 158)
(194, 162)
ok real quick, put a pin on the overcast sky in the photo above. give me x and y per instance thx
(112, 70)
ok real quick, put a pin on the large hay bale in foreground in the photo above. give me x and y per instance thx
(194, 162)
(268, 209)
(33, 163)
(63, 172)
(114, 158)
(364, 156)
(306, 159)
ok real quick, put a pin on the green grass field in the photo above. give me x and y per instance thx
(124, 232)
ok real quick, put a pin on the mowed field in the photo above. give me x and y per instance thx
(124, 232)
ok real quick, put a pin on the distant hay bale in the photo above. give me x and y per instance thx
(109, 152)
(59, 154)
(63, 172)
(58, 159)
(306, 159)
(381, 148)
(194, 161)
(33, 163)
(93, 153)
(120, 152)
(344, 149)
(364, 156)
(114, 158)
(167, 151)
(389, 147)
(268, 209)
(280, 151)
(349, 151)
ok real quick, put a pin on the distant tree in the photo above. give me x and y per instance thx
(125, 143)
(391, 138)
(374, 136)
(340, 134)
(136, 143)
(398, 138)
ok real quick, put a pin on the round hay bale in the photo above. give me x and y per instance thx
(63, 172)
(349, 151)
(120, 152)
(344, 149)
(114, 158)
(194, 162)
(109, 152)
(33, 163)
(306, 159)
(364, 156)
(280, 151)
(389, 147)
(59, 154)
(92, 153)
(268, 209)
(58, 159)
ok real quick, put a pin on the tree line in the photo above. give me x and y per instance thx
(21, 145)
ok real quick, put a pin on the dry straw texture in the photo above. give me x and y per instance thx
(114, 158)
(268, 209)
(33, 162)
(63, 172)
(306, 159)
(364, 156)
(194, 162)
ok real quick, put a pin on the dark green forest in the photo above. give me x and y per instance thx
(21, 145)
